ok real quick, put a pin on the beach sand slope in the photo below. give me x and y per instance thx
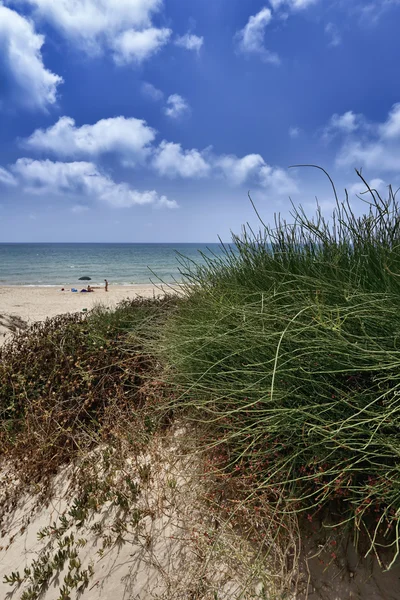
(20, 306)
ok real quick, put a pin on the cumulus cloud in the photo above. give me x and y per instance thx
(251, 38)
(129, 137)
(6, 177)
(368, 154)
(190, 42)
(27, 80)
(360, 188)
(347, 123)
(133, 141)
(277, 180)
(238, 170)
(150, 90)
(176, 106)
(125, 26)
(171, 161)
(373, 145)
(390, 129)
(253, 168)
(81, 179)
(91, 22)
(136, 46)
(165, 203)
(292, 4)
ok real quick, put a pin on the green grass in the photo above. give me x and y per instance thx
(288, 351)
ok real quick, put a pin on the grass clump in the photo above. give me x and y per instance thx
(288, 350)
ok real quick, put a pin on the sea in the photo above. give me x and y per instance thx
(123, 264)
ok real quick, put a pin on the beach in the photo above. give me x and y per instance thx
(31, 304)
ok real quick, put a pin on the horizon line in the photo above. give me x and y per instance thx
(44, 242)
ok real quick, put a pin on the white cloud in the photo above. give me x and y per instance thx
(133, 141)
(190, 42)
(238, 170)
(80, 179)
(129, 137)
(277, 180)
(335, 39)
(360, 188)
(91, 23)
(136, 46)
(165, 203)
(371, 155)
(251, 37)
(391, 128)
(292, 4)
(124, 26)
(149, 90)
(20, 55)
(253, 167)
(176, 106)
(375, 146)
(347, 123)
(171, 161)
(6, 177)
(294, 132)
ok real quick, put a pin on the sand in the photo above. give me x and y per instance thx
(166, 555)
(29, 304)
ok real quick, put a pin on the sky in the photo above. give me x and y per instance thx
(152, 120)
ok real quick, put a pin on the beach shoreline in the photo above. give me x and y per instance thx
(36, 303)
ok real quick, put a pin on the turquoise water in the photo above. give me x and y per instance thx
(123, 264)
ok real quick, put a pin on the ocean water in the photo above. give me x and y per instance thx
(123, 264)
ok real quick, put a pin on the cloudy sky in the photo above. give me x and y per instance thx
(150, 120)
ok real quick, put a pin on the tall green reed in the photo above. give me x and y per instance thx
(287, 348)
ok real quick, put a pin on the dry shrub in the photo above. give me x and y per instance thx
(72, 381)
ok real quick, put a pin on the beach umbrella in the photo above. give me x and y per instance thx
(85, 278)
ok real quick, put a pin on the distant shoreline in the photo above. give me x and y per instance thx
(82, 284)
(30, 304)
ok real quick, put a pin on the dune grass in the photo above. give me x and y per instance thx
(287, 349)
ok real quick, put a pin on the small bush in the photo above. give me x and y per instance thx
(69, 381)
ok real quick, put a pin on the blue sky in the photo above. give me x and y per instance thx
(149, 120)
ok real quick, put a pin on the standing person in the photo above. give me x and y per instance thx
(106, 285)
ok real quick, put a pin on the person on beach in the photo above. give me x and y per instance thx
(106, 285)
(89, 288)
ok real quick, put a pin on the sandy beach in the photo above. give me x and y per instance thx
(37, 303)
